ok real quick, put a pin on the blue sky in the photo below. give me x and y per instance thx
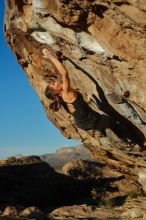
(24, 127)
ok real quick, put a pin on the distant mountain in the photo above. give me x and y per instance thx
(66, 154)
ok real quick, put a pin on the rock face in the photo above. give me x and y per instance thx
(29, 181)
(130, 211)
(31, 189)
(103, 47)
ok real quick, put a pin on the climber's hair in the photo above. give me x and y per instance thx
(49, 93)
(57, 101)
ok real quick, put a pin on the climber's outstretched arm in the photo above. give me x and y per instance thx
(61, 69)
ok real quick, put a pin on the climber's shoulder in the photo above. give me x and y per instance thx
(69, 96)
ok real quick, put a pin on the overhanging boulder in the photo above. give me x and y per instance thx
(104, 50)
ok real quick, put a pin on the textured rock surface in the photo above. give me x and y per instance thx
(30, 181)
(104, 50)
(131, 210)
(107, 186)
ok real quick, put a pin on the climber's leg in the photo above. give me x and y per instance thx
(107, 122)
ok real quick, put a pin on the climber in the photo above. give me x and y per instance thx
(62, 92)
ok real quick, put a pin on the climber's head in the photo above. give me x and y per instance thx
(54, 92)
(56, 87)
(53, 89)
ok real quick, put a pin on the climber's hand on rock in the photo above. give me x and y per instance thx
(47, 54)
(61, 69)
